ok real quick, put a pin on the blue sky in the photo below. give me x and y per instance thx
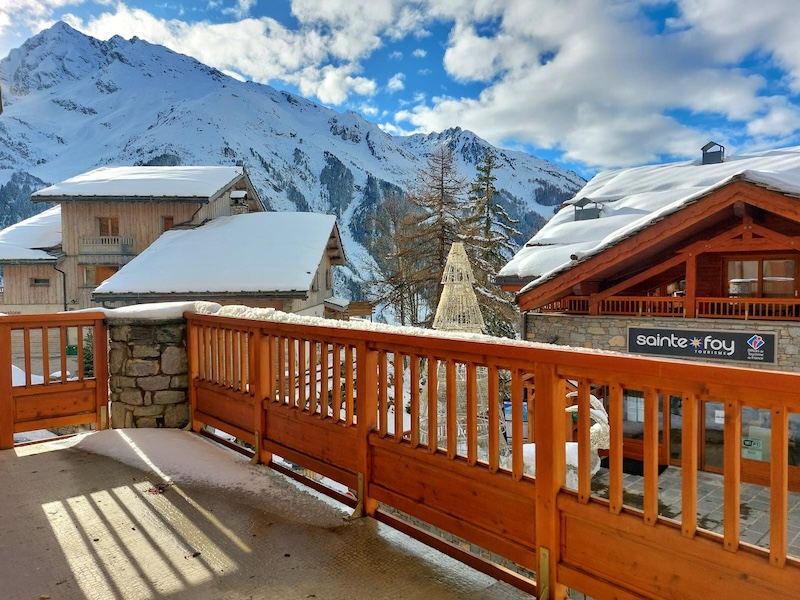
(592, 84)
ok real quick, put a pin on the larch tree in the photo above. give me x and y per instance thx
(439, 206)
(488, 238)
(395, 284)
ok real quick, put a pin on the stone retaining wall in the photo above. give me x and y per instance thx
(611, 333)
(148, 373)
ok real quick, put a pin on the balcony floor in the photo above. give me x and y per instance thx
(78, 524)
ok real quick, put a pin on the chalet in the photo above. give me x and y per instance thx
(695, 260)
(273, 260)
(101, 221)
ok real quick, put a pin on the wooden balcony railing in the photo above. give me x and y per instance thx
(414, 422)
(569, 304)
(771, 309)
(652, 306)
(47, 380)
(106, 250)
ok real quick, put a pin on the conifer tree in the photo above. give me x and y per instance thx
(488, 235)
(436, 221)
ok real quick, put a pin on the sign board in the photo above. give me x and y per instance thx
(752, 448)
(751, 346)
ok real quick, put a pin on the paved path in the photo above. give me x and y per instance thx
(77, 525)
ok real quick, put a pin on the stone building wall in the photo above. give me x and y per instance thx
(148, 371)
(611, 333)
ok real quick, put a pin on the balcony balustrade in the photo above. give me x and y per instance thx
(106, 250)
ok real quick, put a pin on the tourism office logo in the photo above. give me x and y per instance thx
(756, 342)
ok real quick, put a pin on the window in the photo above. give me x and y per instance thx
(40, 281)
(762, 277)
(108, 226)
(328, 279)
(167, 223)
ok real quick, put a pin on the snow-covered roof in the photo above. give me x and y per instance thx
(142, 183)
(24, 241)
(631, 200)
(252, 253)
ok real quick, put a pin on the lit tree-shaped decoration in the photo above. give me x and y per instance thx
(458, 310)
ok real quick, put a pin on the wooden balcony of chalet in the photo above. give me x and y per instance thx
(412, 422)
(770, 309)
(106, 250)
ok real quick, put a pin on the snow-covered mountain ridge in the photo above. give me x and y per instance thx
(73, 103)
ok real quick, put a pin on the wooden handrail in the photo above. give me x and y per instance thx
(46, 401)
(441, 460)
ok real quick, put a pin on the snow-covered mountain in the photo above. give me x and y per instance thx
(73, 102)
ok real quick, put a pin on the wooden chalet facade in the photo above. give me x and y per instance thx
(108, 217)
(711, 275)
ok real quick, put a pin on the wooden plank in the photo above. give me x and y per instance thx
(367, 421)
(49, 403)
(732, 474)
(291, 370)
(690, 460)
(324, 441)
(478, 536)
(289, 453)
(550, 473)
(650, 502)
(225, 404)
(615, 452)
(223, 425)
(658, 562)
(6, 389)
(778, 490)
(54, 422)
(100, 338)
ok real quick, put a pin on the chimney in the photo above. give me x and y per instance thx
(713, 153)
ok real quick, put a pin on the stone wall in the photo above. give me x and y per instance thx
(611, 333)
(148, 373)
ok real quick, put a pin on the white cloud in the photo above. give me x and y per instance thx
(589, 77)
(396, 82)
(368, 110)
(394, 129)
(242, 8)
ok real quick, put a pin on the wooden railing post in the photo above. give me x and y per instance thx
(261, 377)
(100, 354)
(193, 351)
(551, 439)
(367, 421)
(6, 399)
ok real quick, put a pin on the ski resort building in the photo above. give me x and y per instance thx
(694, 260)
(104, 219)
